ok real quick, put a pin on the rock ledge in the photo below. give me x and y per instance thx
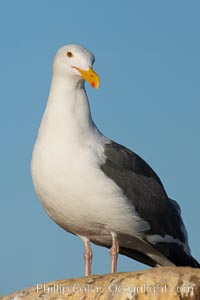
(159, 283)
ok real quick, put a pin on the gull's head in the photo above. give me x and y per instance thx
(73, 62)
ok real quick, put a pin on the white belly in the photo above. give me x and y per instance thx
(79, 197)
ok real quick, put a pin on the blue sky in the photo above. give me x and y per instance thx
(147, 55)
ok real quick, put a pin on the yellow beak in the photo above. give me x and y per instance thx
(90, 76)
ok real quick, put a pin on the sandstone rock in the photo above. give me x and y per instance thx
(164, 283)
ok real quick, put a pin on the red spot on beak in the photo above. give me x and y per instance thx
(93, 84)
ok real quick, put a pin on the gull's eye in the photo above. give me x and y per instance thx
(69, 54)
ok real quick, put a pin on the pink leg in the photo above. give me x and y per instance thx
(114, 250)
(87, 256)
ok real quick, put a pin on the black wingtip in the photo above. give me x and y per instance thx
(176, 254)
(172, 252)
(194, 263)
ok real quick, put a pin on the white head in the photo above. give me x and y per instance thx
(75, 62)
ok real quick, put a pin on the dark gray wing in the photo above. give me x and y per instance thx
(145, 191)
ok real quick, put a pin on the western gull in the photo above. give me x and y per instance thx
(96, 188)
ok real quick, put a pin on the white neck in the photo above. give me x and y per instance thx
(67, 112)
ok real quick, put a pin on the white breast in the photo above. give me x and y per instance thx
(77, 195)
(66, 172)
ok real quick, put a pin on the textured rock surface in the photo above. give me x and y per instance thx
(159, 283)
